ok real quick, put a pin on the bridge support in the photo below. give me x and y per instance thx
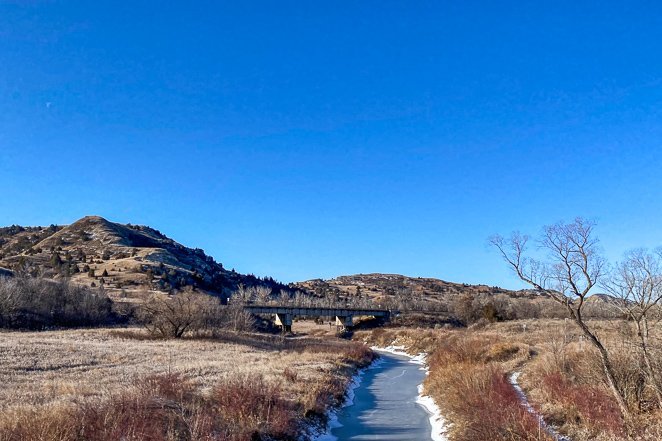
(345, 321)
(284, 321)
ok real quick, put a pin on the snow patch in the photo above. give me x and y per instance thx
(525, 402)
(436, 420)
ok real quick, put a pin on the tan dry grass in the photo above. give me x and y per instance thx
(54, 368)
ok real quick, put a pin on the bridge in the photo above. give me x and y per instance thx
(344, 316)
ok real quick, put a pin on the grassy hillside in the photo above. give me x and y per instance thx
(124, 259)
(432, 302)
(389, 287)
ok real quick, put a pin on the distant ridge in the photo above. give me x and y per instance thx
(394, 288)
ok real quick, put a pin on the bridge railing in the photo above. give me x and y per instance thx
(321, 311)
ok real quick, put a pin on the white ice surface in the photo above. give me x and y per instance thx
(437, 421)
(333, 422)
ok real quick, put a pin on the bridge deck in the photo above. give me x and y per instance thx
(314, 311)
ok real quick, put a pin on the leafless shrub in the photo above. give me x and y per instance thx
(173, 316)
(234, 317)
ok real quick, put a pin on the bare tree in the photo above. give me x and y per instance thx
(35, 303)
(238, 319)
(173, 316)
(637, 283)
(241, 296)
(251, 294)
(9, 300)
(262, 294)
(572, 268)
(464, 309)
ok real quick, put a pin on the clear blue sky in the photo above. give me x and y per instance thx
(315, 139)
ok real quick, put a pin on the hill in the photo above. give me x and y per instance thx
(403, 291)
(124, 259)
(457, 300)
(605, 299)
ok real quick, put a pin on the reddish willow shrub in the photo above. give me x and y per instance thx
(249, 406)
(495, 413)
(593, 406)
(476, 395)
(359, 354)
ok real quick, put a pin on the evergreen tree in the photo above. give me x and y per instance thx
(56, 261)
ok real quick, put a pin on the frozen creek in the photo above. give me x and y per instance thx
(385, 404)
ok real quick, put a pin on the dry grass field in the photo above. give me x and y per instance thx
(47, 373)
